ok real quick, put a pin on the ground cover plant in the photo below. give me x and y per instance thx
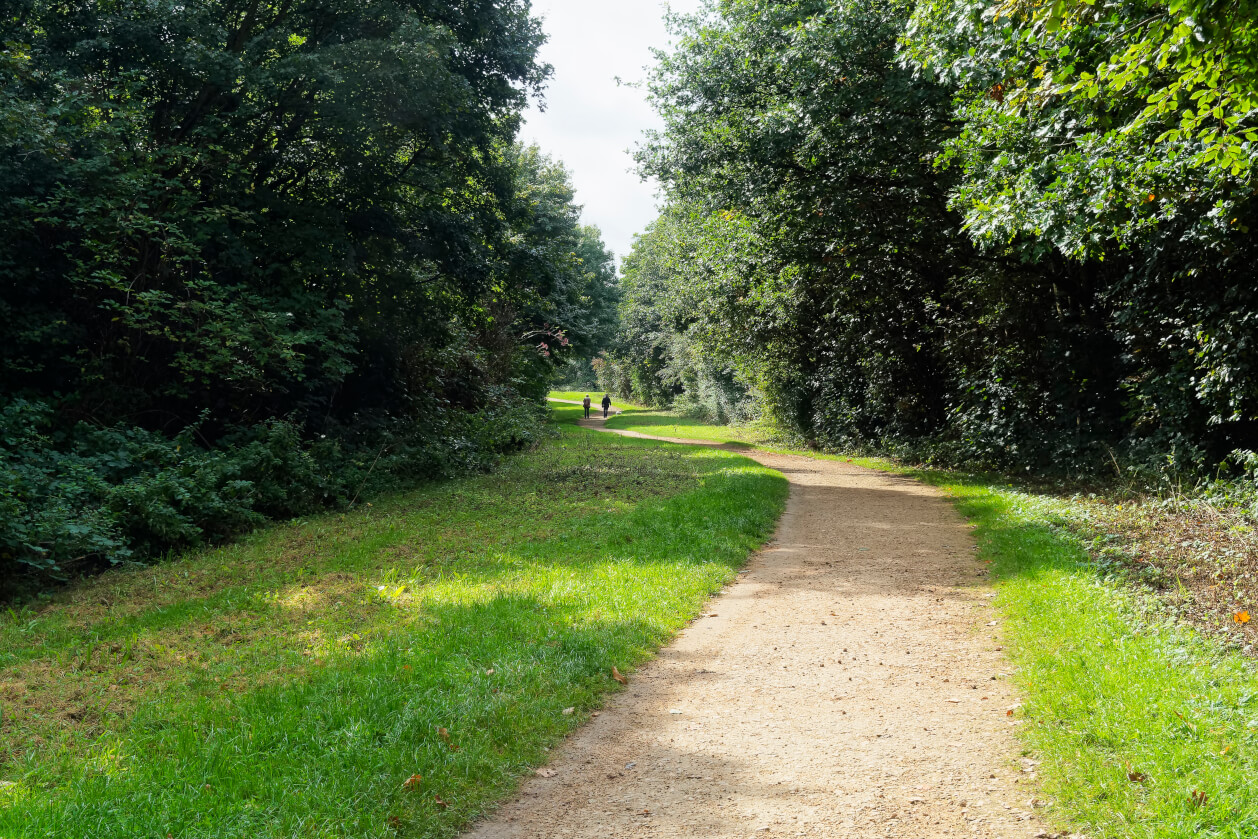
(1138, 724)
(389, 671)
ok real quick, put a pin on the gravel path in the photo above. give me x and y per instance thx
(850, 684)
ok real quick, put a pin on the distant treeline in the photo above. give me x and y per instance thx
(1004, 233)
(259, 257)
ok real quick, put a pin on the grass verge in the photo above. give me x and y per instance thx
(389, 672)
(1142, 727)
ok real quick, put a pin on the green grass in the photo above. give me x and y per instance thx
(291, 683)
(595, 398)
(1143, 728)
(667, 424)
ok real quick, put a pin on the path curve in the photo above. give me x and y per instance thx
(850, 684)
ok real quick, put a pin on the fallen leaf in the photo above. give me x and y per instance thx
(443, 734)
(395, 821)
(489, 672)
(1199, 798)
(1137, 777)
(1241, 617)
(616, 675)
(452, 747)
(442, 804)
(545, 772)
(567, 712)
(412, 782)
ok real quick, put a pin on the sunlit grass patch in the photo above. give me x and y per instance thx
(1142, 727)
(596, 397)
(290, 684)
(668, 424)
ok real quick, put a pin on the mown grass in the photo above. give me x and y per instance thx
(292, 683)
(595, 398)
(668, 424)
(1143, 727)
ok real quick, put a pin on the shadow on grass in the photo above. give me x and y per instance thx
(314, 728)
(330, 754)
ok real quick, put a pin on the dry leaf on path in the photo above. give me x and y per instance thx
(545, 772)
(618, 677)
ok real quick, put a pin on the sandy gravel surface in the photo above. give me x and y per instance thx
(850, 684)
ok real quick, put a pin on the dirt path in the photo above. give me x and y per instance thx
(850, 684)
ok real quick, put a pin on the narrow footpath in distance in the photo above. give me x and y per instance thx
(851, 683)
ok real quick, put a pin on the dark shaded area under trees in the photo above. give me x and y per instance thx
(260, 257)
(1000, 234)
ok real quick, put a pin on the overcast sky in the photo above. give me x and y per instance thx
(590, 123)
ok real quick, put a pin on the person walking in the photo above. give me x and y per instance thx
(586, 404)
(607, 403)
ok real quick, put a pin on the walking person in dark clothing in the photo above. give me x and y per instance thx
(586, 404)
(607, 403)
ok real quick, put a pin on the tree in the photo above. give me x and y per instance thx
(243, 243)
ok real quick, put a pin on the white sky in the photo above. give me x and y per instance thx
(590, 123)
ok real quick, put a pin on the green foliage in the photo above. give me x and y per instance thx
(921, 262)
(661, 356)
(249, 245)
(95, 496)
(1084, 122)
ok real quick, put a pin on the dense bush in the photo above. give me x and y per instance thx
(81, 497)
(89, 497)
